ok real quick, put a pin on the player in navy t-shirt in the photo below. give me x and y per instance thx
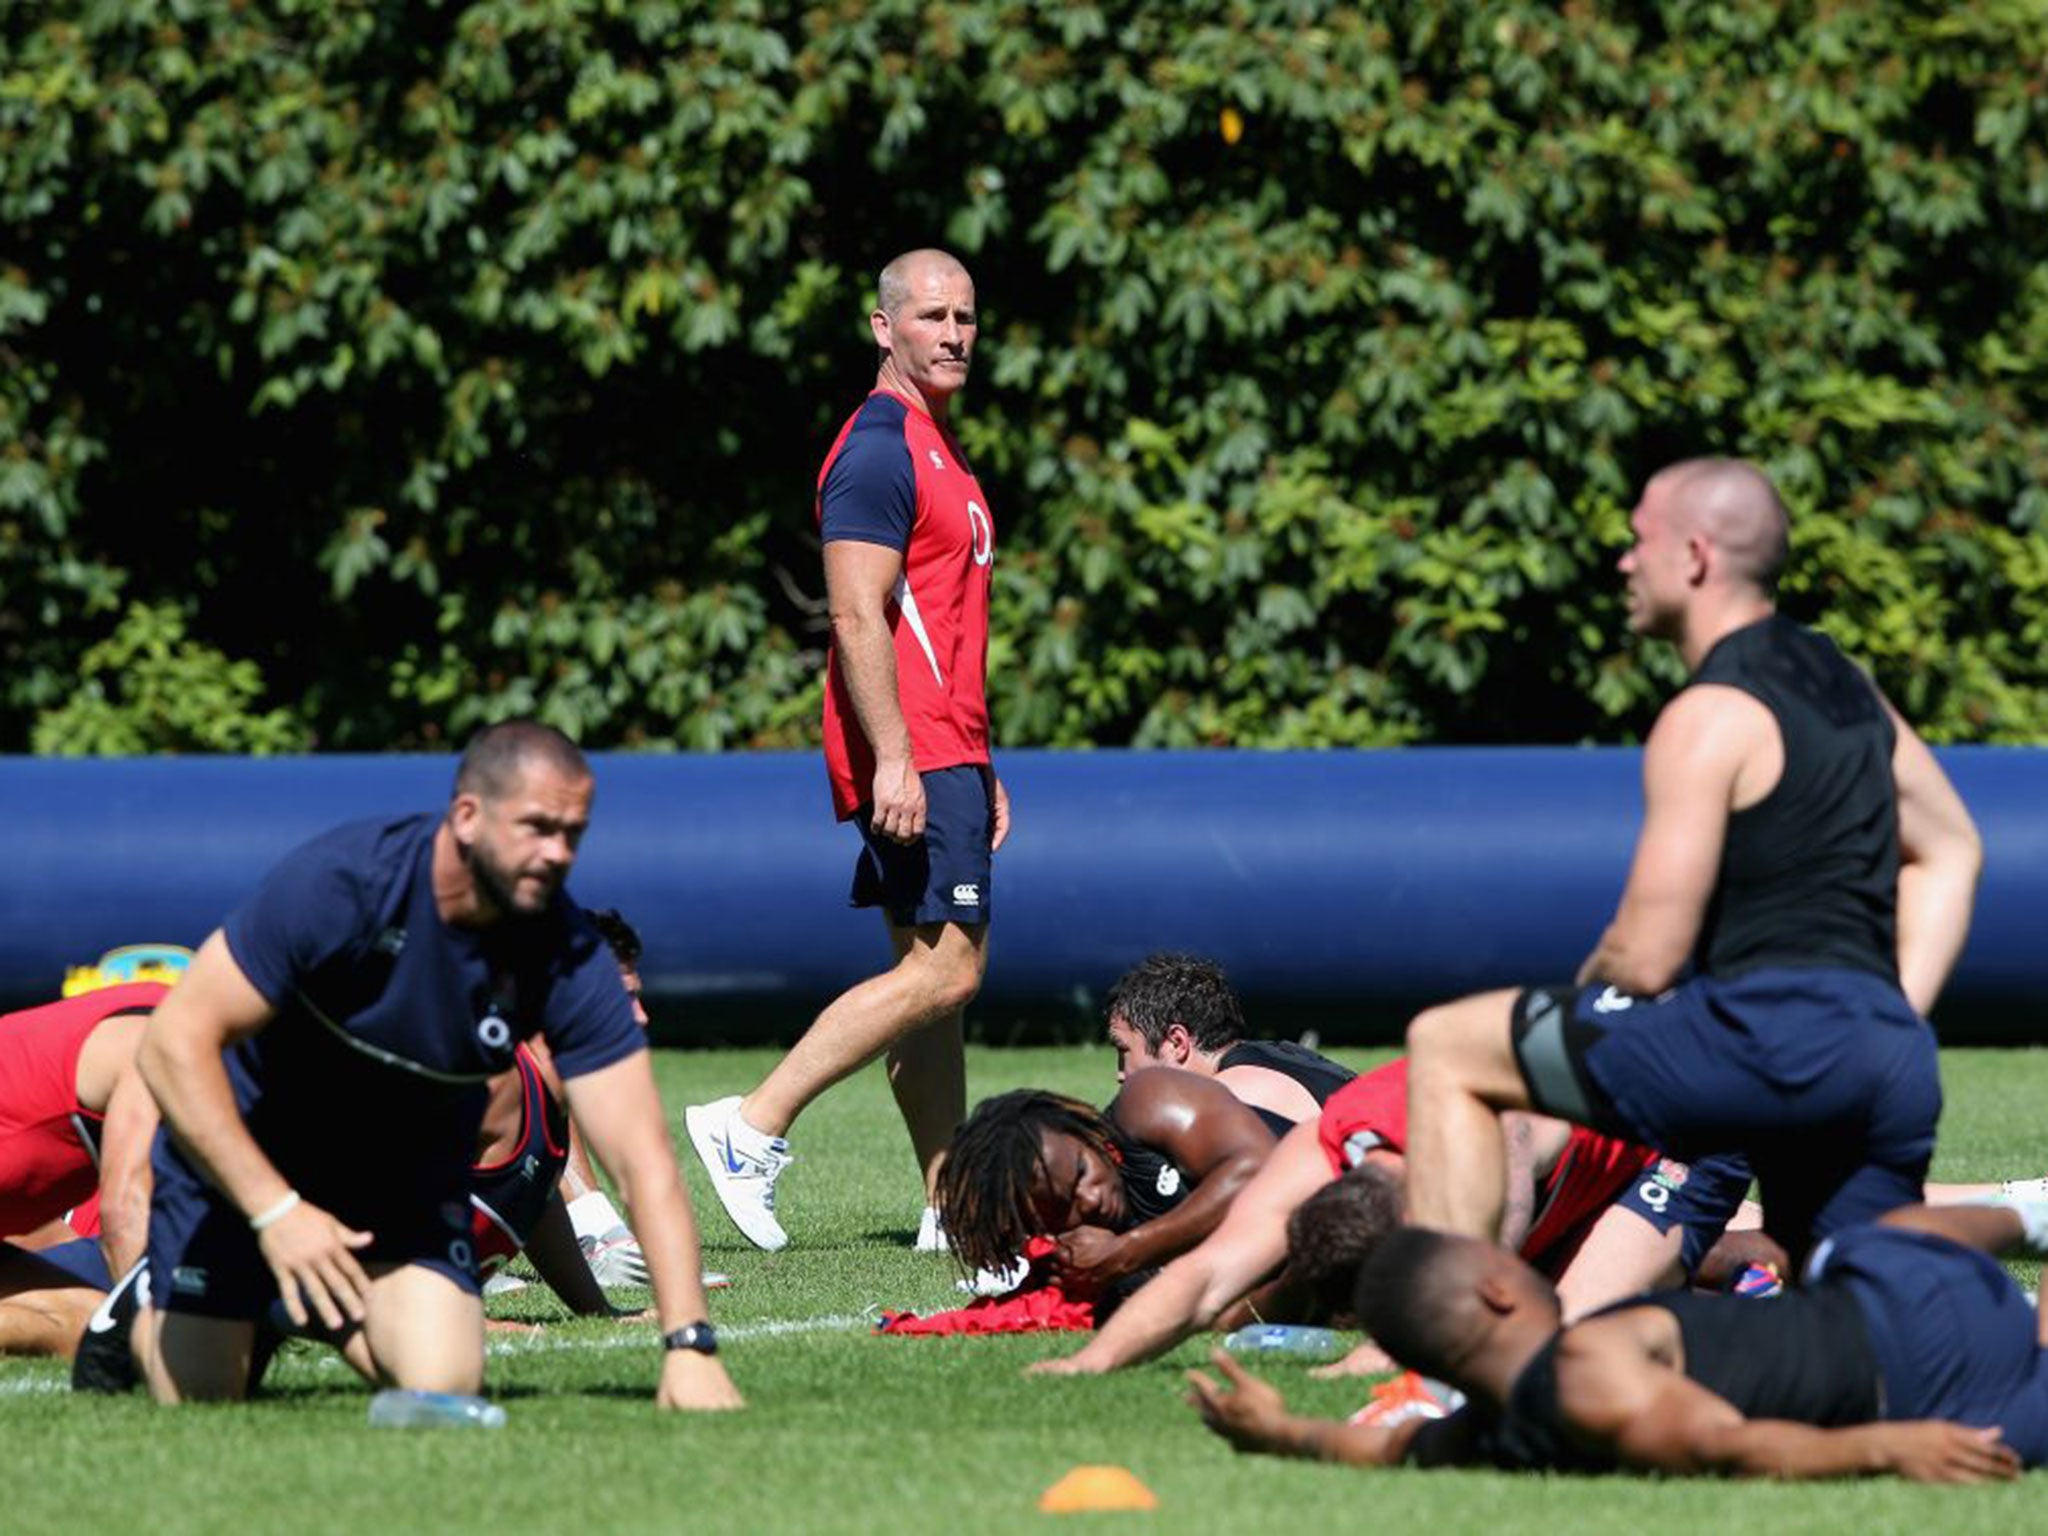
(321, 1071)
(909, 544)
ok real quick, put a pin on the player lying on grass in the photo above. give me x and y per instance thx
(75, 1121)
(1606, 1216)
(1122, 1190)
(1909, 1350)
(1176, 1010)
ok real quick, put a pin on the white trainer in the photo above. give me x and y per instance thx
(997, 1282)
(743, 1165)
(931, 1237)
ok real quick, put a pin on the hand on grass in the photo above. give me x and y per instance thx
(696, 1383)
(1932, 1451)
(1250, 1415)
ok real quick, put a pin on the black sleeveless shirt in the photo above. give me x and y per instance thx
(1804, 1356)
(1809, 875)
(1314, 1071)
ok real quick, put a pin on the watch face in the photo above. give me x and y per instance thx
(694, 1336)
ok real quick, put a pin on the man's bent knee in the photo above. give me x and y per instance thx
(188, 1359)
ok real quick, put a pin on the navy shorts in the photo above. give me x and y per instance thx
(1825, 1079)
(204, 1260)
(82, 1260)
(1952, 1332)
(943, 877)
(1699, 1199)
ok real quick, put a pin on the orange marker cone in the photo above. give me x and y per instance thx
(1093, 1488)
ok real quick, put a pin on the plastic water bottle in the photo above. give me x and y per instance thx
(1289, 1339)
(399, 1409)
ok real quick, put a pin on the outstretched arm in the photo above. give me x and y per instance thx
(1253, 1417)
(558, 1259)
(1614, 1393)
(621, 1113)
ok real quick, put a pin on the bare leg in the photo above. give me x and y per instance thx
(424, 1331)
(188, 1359)
(1461, 1074)
(43, 1310)
(928, 1075)
(937, 975)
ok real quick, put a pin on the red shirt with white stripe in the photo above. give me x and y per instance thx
(897, 478)
(1589, 1175)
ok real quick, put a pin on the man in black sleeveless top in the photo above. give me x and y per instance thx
(1176, 1010)
(1909, 1350)
(1801, 887)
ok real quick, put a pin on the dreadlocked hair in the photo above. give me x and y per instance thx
(997, 1155)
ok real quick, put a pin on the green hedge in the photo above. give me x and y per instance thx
(440, 359)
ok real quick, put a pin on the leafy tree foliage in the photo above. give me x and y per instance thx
(450, 358)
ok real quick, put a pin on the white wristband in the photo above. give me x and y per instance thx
(593, 1215)
(276, 1213)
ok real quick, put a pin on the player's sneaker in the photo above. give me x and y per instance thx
(105, 1361)
(997, 1282)
(931, 1237)
(1409, 1395)
(615, 1258)
(744, 1165)
(502, 1284)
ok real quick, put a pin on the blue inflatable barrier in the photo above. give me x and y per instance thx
(1338, 885)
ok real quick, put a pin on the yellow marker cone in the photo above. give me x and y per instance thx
(1093, 1488)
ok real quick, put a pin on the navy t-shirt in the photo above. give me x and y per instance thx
(367, 1085)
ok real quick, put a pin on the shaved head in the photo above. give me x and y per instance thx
(1736, 509)
(907, 272)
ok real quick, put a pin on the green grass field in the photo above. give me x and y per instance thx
(847, 1432)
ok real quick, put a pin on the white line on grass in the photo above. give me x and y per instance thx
(544, 1343)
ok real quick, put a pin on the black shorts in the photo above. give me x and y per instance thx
(204, 1261)
(943, 877)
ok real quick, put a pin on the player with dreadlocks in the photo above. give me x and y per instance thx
(1121, 1191)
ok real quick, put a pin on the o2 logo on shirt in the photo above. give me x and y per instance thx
(493, 1034)
(983, 532)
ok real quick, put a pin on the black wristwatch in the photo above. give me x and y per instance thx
(697, 1336)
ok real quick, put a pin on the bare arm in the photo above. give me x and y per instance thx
(1518, 1212)
(1691, 764)
(125, 1176)
(1252, 1417)
(1940, 857)
(212, 1008)
(621, 1112)
(1650, 1415)
(1204, 1130)
(110, 1084)
(556, 1257)
(860, 580)
(1192, 1291)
